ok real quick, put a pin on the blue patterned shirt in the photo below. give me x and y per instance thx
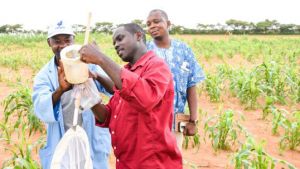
(184, 67)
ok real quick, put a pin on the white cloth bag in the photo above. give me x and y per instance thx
(73, 150)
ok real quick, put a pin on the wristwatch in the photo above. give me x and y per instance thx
(193, 121)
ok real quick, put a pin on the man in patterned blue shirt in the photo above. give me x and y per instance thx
(184, 66)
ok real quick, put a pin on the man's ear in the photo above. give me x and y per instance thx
(139, 36)
(48, 41)
(169, 24)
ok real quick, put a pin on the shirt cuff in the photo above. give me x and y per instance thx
(104, 124)
(195, 82)
(129, 80)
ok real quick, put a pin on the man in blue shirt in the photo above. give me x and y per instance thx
(54, 106)
(184, 67)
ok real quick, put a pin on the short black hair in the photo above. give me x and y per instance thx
(134, 28)
(162, 12)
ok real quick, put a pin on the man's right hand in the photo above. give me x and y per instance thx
(64, 85)
(91, 53)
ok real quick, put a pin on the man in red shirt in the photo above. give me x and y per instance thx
(140, 113)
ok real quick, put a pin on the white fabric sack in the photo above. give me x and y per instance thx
(73, 151)
(88, 92)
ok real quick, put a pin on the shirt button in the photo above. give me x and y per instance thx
(118, 160)
(113, 132)
(115, 116)
(115, 147)
(120, 101)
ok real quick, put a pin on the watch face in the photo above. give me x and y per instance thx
(181, 126)
(193, 121)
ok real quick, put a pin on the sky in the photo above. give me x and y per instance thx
(38, 14)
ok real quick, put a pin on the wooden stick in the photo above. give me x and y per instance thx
(87, 29)
(76, 111)
(78, 95)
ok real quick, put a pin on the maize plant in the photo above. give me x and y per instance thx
(6, 132)
(21, 151)
(279, 117)
(269, 107)
(213, 86)
(291, 137)
(277, 80)
(19, 105)
(225, 71)
(195, 141)
(222, 130)
(246, 87)
(252, 156)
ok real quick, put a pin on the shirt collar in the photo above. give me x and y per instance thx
(172, 43)
(141, 61)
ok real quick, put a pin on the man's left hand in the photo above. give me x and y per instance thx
(190, 129)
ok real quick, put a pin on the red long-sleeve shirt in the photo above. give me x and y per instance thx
(140, 117)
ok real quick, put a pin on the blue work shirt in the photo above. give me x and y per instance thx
(184, 67)
(45, 83)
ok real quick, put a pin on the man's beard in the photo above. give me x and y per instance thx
(57, 58)
(57, 54)
(158, 38)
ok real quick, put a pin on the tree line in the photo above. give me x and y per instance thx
(231, 26)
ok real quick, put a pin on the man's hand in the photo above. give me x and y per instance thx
(63, 84)
(190, 129)
(90, 53)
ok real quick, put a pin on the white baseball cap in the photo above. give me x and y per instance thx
(61, 27)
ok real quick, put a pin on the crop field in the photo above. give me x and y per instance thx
(249, 106)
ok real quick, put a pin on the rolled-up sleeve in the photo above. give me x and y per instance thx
(42, 100)
(145, 91)
(104, 124)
